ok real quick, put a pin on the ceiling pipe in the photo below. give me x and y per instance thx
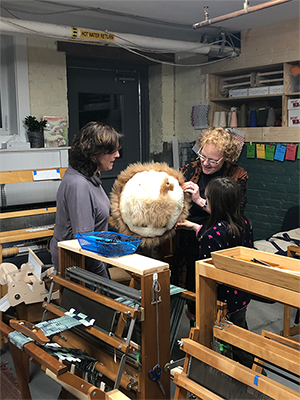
(85, 35)
(235, 14)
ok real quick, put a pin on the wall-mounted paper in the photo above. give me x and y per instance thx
(50, 174)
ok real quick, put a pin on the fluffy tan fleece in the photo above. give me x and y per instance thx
(147, 200)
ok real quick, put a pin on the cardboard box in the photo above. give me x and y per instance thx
(277, 89)
(294, 117)
(258, 91)
(238, 92)
(293, 104)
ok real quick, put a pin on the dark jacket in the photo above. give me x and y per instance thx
(216, 239)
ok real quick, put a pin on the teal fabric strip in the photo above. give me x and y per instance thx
(18, 339)
(71, 319)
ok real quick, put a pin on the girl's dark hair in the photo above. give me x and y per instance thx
(93, 139)
(224, 196)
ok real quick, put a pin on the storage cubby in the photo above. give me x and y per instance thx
(262, 88)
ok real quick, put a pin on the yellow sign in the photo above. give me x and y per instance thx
(74, 32)
(96, 35)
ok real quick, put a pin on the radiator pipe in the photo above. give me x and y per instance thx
(92, 36)
(235, 14)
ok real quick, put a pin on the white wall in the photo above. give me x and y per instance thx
(47, 76)
(173, 92)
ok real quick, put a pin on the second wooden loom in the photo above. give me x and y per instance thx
(210, 375)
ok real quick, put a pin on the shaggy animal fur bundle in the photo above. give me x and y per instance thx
(147, 200)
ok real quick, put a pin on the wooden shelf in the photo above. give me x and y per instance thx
(279, 102)
(269, 134)
(247, 98)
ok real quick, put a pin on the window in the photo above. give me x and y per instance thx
(4, 94)
(14, 89)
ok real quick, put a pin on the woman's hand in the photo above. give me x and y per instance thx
(188, 225)
(193, 188)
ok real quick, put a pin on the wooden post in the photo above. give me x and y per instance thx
(206, 307)
(151, 343)
(21, 364)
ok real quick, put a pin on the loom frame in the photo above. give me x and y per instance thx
(208, 274)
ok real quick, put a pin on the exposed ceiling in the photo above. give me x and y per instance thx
(159, 18)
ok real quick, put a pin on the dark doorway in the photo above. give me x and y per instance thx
(117, 96)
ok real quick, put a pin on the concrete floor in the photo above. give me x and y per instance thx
(259, 315)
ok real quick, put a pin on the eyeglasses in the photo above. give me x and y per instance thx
(209, 160)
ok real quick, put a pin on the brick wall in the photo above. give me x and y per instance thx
(273, 187)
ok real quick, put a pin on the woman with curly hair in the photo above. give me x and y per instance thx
(82, 204)
(218, 150)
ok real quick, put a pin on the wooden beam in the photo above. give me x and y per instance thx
(238, 371)
(25, 213)
(260, 346)
(24, 175)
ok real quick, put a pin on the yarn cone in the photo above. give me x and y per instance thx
(243, 115)
(216, 121)
(271, 117)
(252, 122)
(223, 119)
(233, 121)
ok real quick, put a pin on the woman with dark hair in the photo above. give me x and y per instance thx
(225, 228)
(82, 204)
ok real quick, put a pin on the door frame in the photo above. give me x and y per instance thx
(143, 93)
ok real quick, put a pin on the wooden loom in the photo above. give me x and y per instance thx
(12, 236)
(134, 380)
(288, 330)
(280, 284)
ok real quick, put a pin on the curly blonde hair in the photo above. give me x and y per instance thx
(224, 140)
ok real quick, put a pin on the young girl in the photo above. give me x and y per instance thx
(225, 228)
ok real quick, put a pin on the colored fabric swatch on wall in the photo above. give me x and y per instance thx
(280, 152)
(199, 116)
(260, 151)
(250, 150)
(270, 151)
(291, 152)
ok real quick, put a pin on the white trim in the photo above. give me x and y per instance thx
(22, 84)
(4, 87)
(17, 100)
